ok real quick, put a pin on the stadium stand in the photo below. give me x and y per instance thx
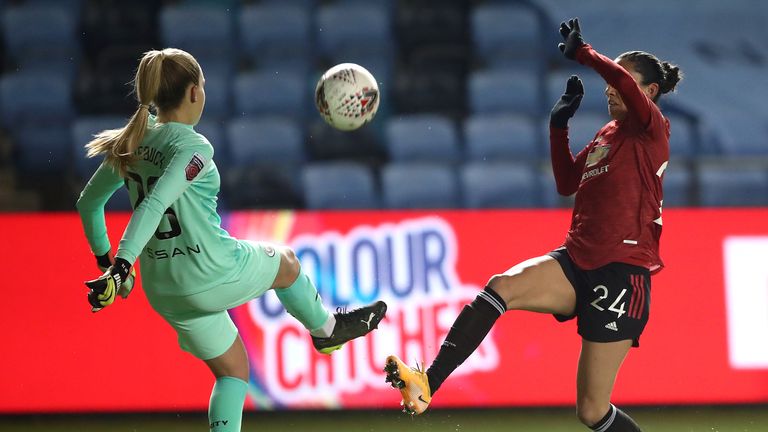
(339, 185)
(415, 185)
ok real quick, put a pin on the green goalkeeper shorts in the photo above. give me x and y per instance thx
(201, 321)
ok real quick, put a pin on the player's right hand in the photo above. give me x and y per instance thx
(572, 40)
(102, 291)
(568, 103)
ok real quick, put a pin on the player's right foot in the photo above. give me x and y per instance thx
(412, 383)
(351, 325)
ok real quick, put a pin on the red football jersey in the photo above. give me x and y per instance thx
(617, 178)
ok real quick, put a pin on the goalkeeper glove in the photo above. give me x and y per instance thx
(568, 103)
(104, 261)
(102, 291)
(572, 40)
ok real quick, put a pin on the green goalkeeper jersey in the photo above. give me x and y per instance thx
(174, 230)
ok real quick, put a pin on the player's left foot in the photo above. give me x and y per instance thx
(351, 325)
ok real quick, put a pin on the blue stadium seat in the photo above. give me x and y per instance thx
(273, 186)
(549, 197)
(42, 148)
(35, 97)
(423, 138)
(506, 34)
(218, 97)
(678, 185)
(213, 130)
(501, 137)
(83, 130)
(338, 185)
(681, 137)
(354, 29)
(509, 90)
(582, 128)
(419, 186)
(197, 28)
(594, 88)
(265, 140)
(499, 185)
(47, 26)
(269, 93)
(275, 34)
(733, 185)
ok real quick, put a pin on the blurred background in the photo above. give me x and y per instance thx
(466, 88)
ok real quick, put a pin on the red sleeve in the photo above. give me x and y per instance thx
(639, 106)
(567, 170)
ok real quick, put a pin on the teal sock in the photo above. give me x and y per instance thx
(225, 412)
(303, 302)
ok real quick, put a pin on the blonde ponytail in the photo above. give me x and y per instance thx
(161, 79)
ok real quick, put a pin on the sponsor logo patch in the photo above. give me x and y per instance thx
(194, 166)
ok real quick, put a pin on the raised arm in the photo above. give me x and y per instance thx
(573, 47)
(566, 169)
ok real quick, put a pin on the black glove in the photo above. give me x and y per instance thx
(568, 103)
(571, 33)
(102, 291)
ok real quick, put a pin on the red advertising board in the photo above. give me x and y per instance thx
(705, 342)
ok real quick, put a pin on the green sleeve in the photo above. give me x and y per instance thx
(169, 187)
(104, 182)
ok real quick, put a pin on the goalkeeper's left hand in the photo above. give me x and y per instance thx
(102, 291)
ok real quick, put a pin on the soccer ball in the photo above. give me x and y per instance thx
(347, 96)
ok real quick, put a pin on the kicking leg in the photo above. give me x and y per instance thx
(599, 364)
(300, 298)
(225, 410)
(537, 284)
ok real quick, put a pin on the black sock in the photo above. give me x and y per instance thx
(616, 421)
(470, 328)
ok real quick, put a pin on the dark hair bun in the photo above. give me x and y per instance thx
(672, 76)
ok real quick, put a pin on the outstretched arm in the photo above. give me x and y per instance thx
(566, 169)
(573, 47)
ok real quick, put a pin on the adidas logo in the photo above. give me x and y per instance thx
(612, 326)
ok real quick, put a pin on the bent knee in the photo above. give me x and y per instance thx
(591, 412)
(504, 285)
(289, 268)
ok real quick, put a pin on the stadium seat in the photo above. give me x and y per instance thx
(508, 90)
(678, 185)
(263, 186)
(338, 185)
(499, 185)
(732, 185)
(35, 97)
(39, 26)
(265, 140)
(258, 93)
(83, 130)
(501, 137)
(422, 138)
(582, 128)
(273, 34)
(197, 28)
(681, 137)
(42, 148)
(217, 92)
(594, 88)
(507, 34)
(419, 186)
(549, 197)
(213, 130)
(353, 29)
(363, 145)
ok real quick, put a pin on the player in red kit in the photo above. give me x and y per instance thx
(601, 275)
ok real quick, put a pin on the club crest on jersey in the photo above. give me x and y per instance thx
(194, 166)
(598, 153)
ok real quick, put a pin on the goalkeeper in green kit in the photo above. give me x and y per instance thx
(192, 271)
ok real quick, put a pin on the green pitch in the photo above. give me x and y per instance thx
(652, 419)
